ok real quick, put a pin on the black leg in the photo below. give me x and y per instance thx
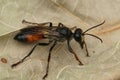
(86, 49)
(22, 60)
(49, 57)
(60, 25)
(50, 24)
(81, 44)
(75, 55)
(36, 24)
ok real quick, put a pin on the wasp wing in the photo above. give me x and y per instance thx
(40, 30)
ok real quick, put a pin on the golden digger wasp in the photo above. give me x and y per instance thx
(60, 33)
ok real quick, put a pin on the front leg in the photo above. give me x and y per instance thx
(86, 49)
(82, 44)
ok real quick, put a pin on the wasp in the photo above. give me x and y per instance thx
(54, 34)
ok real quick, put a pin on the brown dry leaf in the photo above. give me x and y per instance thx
(104, 61)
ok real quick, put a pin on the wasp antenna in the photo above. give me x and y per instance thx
(94, 36)
(94, 27)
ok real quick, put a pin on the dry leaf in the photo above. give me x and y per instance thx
(104, 61)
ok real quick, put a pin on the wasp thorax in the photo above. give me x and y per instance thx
(65, 32)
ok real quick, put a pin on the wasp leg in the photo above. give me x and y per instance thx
(22, 60)
(36, 24)
(81, 44)
(75, 55)
(49, 57)
(60, 25)
(86, 49)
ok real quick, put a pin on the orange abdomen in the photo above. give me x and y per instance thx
(34, 38)
(28, 37)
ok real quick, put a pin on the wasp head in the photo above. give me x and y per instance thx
(78, 36)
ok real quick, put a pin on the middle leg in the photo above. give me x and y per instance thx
(49, 58)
